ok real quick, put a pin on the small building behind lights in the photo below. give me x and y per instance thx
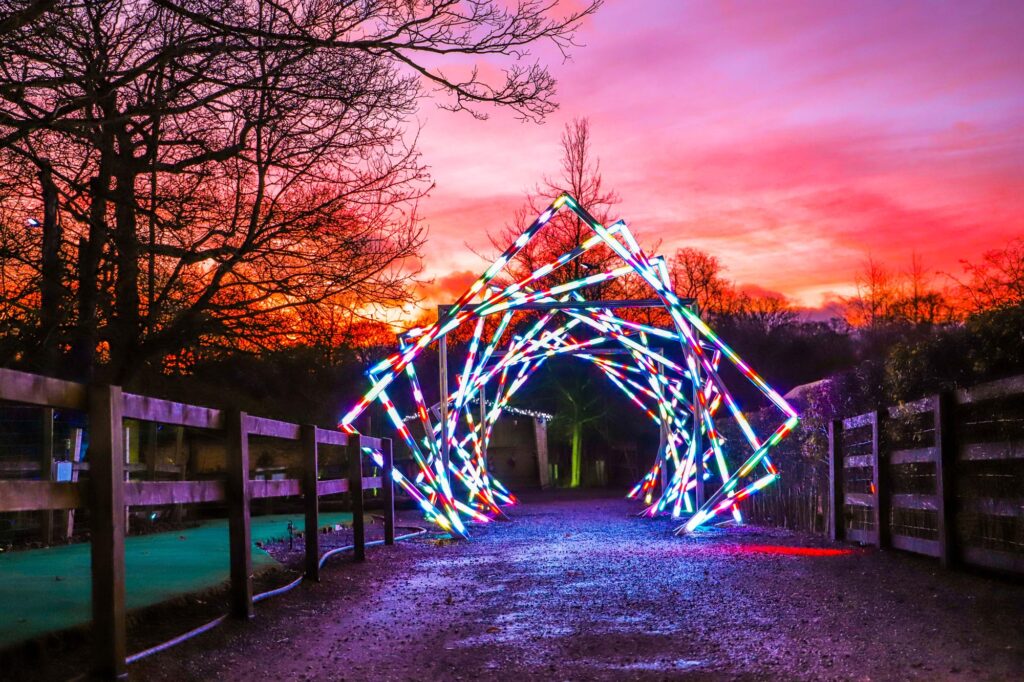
(517, 453)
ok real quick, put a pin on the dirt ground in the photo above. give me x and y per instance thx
(578, 588)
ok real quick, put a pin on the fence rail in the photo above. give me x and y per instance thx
(942, 476)
(107, 494)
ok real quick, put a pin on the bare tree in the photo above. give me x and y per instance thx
(997, 281)
(419, 35)
(766, 312)
(698, 275)
(877, 292)
(222, 164)
(581, 177)
(920, 303)
(886, 296)
(14, 15)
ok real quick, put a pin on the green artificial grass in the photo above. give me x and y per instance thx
(46, 590)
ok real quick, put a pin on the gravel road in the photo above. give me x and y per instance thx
(578, 588)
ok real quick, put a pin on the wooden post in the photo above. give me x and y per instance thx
(387, 484)
(880, 478)
(837, 486)
(149, 445)
(355, 491)
(945, 471)
(181, 461)
(106, 471)
(46, 472)
(310, 469)
(237, 488)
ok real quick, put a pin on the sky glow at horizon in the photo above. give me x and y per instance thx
(790, 140)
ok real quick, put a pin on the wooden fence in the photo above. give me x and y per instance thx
(942, 476)
(107, 494)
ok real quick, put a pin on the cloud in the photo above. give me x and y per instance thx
(447, 288)
(758, 291)
(789, 139)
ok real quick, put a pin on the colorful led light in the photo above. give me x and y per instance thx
(679, 388)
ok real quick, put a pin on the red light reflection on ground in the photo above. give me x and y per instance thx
(786, 550)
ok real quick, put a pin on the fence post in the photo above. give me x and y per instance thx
(106, 472)
(836, 505)
(46, 473)
(237, 488)
(148, 448)
(880, 471)
(181, 461)
(387, 484)
(945, 472)
(310, 467)
(355, 491)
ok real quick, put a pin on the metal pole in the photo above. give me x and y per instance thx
(662, 448)
(442, 351)
(663, 435)
(697, 440)
(883, 499)
(483, 420)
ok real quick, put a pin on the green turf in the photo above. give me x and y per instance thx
(45, 590)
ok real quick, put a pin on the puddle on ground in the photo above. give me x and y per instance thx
(514, 629)
(678, 664)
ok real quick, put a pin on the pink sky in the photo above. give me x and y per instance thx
(791, 140)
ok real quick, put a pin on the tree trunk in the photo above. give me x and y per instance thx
(90, 250)
(125, 327)
(576, 466)
(52, 285)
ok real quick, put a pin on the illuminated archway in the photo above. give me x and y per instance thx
(683, 398)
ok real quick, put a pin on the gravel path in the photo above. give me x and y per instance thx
(578, 588)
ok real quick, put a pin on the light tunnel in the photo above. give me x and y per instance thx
(516, 324)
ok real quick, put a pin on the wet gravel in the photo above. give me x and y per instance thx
(579, 588)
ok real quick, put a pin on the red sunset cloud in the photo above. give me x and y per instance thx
(790, 140)
(447, 288)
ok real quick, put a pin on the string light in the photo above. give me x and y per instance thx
(683, 397)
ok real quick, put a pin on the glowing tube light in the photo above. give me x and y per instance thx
(684, 398)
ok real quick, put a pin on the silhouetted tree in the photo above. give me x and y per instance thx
(876, 294)
(997, 281)
(581, 177)
(698, 275)
(14, 15)
(920, 303)
(222, 164)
